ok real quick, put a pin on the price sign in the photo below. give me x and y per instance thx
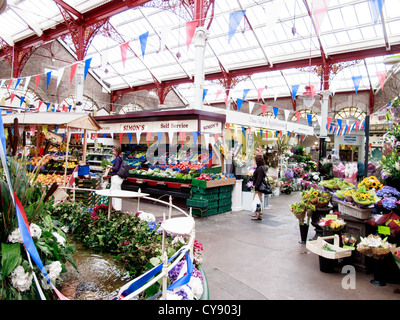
(331, 217)
(384, 230)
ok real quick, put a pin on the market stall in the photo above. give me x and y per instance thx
(168, 150)
(49, 128)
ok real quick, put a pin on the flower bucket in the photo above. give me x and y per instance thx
(303, 233)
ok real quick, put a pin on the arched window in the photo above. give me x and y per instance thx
(268, 114)
(350, 112)
(87, 105)
(131, 107)
(13, 98)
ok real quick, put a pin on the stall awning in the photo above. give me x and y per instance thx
(63, 120)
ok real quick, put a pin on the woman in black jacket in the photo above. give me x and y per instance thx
(258, 175)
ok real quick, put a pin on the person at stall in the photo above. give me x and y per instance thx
(258, 175)
(116, 180)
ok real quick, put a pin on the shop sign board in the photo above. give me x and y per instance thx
(155, 126)
(210, 126)
(352, 140)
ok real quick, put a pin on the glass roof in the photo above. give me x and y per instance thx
(271, 33)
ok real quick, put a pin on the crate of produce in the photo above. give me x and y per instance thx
(213, 183)
(224, 209)
(197, 203)
(204, 191)
(354, 211)
(210, 197)
(225, 202)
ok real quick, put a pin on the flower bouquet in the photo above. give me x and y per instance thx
(370, 183)
(374, 246)
(364, 198)
(287, 187)
(298, 172)
(332, 225)
(349, 240)
(350, 172)
(303, 211)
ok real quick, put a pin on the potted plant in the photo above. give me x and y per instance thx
(287, 187)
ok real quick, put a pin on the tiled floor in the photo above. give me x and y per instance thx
(263, 260)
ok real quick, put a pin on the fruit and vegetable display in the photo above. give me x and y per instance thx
(49, 179)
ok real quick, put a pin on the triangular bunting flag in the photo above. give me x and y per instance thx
(287, 112)
(48, 76)
(87, 66)
(381, 77)
(120, 137)
(59, 75)
(234, 21)
(263, 109)
(72, 74)
(239, 103)
(159, 137)
(259, 93)
(18, 81)
(295, 88)
(245, 92)
(204, 93)
(356, 81)
(298, 116)
(190, 30)
(251, 106)
(37, 81)
(275, 111)
(138, 137)
(217, 94)
(143, 42)
(129, 137)
(309, 116)
(244, 131)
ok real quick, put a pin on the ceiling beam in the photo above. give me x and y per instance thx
(341, 57)
(92, 16)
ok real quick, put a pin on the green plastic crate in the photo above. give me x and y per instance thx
(213, 204)
(224, 209)
(225, 195)
(204, 212)
(224, 202)
(228, 188)
(197, 203)
(210, 197)
(198, 190)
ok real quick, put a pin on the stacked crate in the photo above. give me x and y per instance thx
(210, 201)
(86, 197)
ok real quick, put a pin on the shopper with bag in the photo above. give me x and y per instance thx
(258, 180)
(116, 180)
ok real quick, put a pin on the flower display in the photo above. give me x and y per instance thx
(374, 246)
(53, 272)
(288, 175)
(388, 191)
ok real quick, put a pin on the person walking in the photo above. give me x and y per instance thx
(116, 180)
(258, 175)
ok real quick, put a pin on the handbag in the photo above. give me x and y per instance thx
(265, 186)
